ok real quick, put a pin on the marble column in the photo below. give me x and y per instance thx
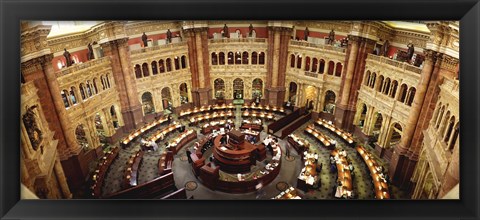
(62, 181)
(277, 59)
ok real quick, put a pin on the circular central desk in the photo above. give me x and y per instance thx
(236, 158)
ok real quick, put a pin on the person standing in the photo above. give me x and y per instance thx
(144, 40)
(169, 36)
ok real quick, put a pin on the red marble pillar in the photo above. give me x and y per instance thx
(197, 41)
(119, 54)
(277, 56)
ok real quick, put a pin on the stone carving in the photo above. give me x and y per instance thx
(306, 32)
(68, 57)
(144, 40)
(410, 51)
(31, 125)
(169, 36)
(90, 55)
(331, 37)
(250, 30)
(384, 50)
(225, 31)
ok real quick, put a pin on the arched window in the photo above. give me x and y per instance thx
(299, 61)
(166, 98)
(393, 90)
(322, 66)
(169, 64)
(108, 80)
(329, 102)
(161, 66)
(147, 103)
(386, 88)
(219, 88)
(454, 136)
(73, 97)
(238, 57)
(379, 85)
(230, 58)
(214, 58)
(89, 90)
(82, 91)
(254, 58)
(238, 88)
(257, 88)
(245, 57)
(403, 93)
(367, 78)
(221, 58)
(81, 137)
(183, 93)
(103, 82)
(176, 60)
(138, 71)
(261, 58)
(307, 63)
(154, 68)
(184, 61)
(314, 65)
(292, 61)
(440, 117)
(449, 129)
(95, 88)
(338, 70)
(411, 95)
(331, 67)
(145, 70)
(444, 123)
(372, 80)
(113, 113)
(396, 135)
(64, 94)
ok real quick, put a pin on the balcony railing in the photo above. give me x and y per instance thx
(402, 65)
(158, 47)
(321, 46)
(239, 40)
(81, 66)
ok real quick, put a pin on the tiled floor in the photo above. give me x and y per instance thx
(289, 172)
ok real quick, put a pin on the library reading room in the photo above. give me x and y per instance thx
(221, 110)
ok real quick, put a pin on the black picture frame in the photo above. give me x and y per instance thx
(11, 12)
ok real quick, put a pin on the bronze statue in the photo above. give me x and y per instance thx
(90, 55)
(410, 51)
(384, 49)
(68, 57)
(144, 40)
(169, 36)
(31, 125)
(250, 30)
(331, 37)
(225, 31)
(306, 33)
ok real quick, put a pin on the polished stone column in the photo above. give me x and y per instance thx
(62, 181)
(119, 54)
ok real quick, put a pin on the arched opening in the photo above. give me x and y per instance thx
(377, 125)
(338, 70)
(94, 87)
(310, 96)
(230, 58)
(314, 65)
(449, 129)
(89, 90)
(154, 68)
(322, 66)
(100, 129)
(257, 88)
(367, 78)
(454, 136)
(411, 96)
(183, 93)
(161, 66)
(82, 91)
(107, 77)
(379, 85)
(440, 116)
(363, 114)
(238, 88)
(221, 58)
(395, 135)
(261, 58)
(238, 58)
(147, 103)
(64, 94)
(73, 97)
(184, 62)
(169, 64)
(113, 113)
(245, 57)
(307, 63)
(219, 88)
(299, 61)
(176, 60)
(81, 137)
(393, 90)
(292, 92)
(214, 58)
(386, 89)
(331, 67)
(103, 82)
(145, 70)
(444, 123)
(292, 61)
(166, 98)
(329, 102)
(254, 58)
(372, 80)
(403, 93)
(138, 71)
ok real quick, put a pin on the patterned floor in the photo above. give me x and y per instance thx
(290, 170)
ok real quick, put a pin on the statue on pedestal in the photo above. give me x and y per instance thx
(331, 37)
(225, 31)
(90, 55)
(250, 30)
(306, 33)
(144, 40)
(169, 36)
(68, 57)
(384, 49)
(410, 51)
(31, 125)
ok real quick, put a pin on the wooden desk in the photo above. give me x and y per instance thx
(98, 177)
(137, 133)
(347, 137)
(300, 144)
(165, 163)
(205, 109)
(379, 181)
(162, 134)
(290, 193)
(181, 140)
(267, 108)
(258, 114)
(325, 140)
(208, 116)
(343, 171)
(216, 125)
(130, 177)
(308, 173)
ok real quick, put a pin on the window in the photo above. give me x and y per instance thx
(169, 64)
(214, 58)
(261, 58)
(245, 57)
(184, 62)
(338, 70)
(331, 67)
(138, 71)
(145, 70)
(154, 68)
(230, 58)
(254, 58)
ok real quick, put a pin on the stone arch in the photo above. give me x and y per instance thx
(145, 70)
(161, 66)
(292, 92)
(154, 68)
(214, 58)
(221, 58)
(257, 88)
(331, 68)
(238, 88)
(338, 69)
(147, 103)
(329, 102)
(411, 95)
(166, 98)
(81, 136)
(219, 88)
(394, 134)
(367, 78)
(183, 88)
